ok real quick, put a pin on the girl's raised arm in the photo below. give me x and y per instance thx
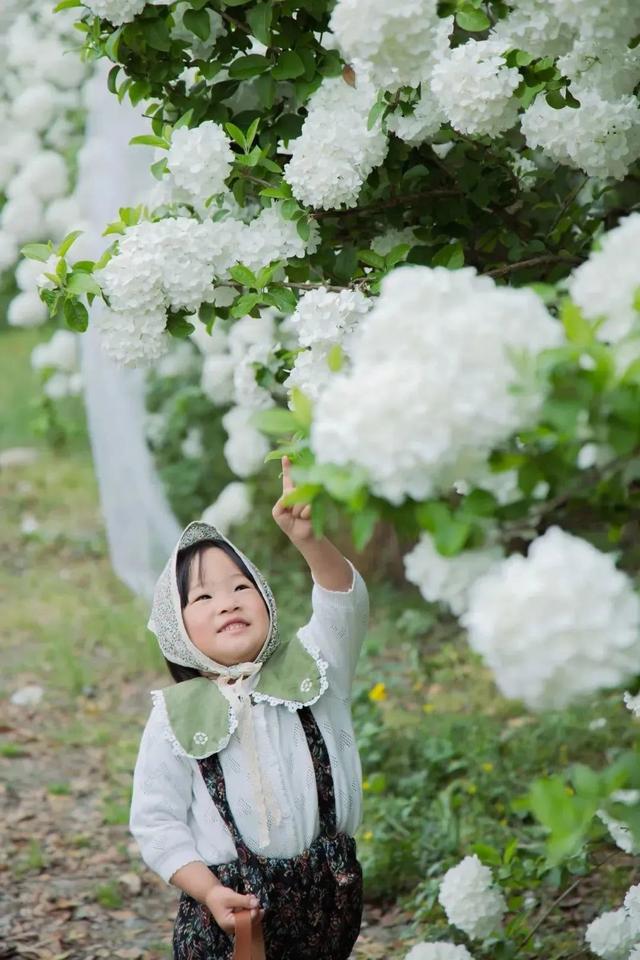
(328, 567)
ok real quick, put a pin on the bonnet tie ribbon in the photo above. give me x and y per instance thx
(238, 694)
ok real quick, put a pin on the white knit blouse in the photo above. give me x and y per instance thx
(173, 818)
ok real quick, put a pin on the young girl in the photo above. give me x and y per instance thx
(247, 786)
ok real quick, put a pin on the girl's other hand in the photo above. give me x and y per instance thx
(295, 520)
(223, 902)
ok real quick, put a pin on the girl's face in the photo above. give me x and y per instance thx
(225, 616)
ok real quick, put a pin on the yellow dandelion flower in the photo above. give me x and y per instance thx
(428, 707)
(367, 835)
(471, 788)
(366, 785)
(487, 767)
(378, 693)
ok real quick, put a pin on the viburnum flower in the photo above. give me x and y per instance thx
(438, 950)
(425, 121)
(60, 352)
(27, 310)
(557, 624)
(134, 338)
(606, 284)
(335, 151)
(246, 447)
(231, 508)
(200, 159)
(610, 935)
(118, 12)
(398, 411)
(475, 88)
(534, 26)
(632, 703)
(447, 579)
(600, 137)
(394, 42)
(471, 900)
(325, 317)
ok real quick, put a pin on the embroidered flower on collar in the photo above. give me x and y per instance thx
(200, 737)
(306, 685)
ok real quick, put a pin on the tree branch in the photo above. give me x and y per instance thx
(400, 201)
(532, 262)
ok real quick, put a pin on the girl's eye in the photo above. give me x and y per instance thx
(203, 596)
(242, 586)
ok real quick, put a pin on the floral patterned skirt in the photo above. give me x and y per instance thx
(312, 904)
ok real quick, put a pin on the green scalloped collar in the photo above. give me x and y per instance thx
(200, 720)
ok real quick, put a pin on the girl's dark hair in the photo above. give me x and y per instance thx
(184, 562)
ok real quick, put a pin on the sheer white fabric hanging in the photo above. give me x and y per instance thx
(141, 528)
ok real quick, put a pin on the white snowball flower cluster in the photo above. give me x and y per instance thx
(199, 159)
(613, 71)
(41, 112)
(335, 151)
(438, 950)
(393, 41)
(231, 508)
(322, 320)
(323, 316)
(59, 358)
(632, 703)
(162, 265)
(606, 284)
(448, 579)
(534, 26)
(191, 447)
(475, 88)
(601, 137)
(246, 447)
(614, 933)
(600, 20)
(179, 361)
(425, 121)
(558, 624)
(228, 370)
(269, 237)
(118, 12)
(399, 412)
(471, 900)
(610, 935)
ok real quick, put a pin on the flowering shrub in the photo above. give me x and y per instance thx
(404, 238)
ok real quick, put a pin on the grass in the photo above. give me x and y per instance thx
(443, 755)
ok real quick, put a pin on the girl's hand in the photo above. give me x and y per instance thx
(223, 902)
(295, 520)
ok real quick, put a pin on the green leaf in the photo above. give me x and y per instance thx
(68, 242)
(207, 313)
(236, 134)
(335, 358)
(289, 209)
(159, 168)
(259, 19)
(178, 326)
(577, 328)
(276, 422)
(245, 304)
(197, 21)
(363, 525)
(378, 108)
(288, 67)
(304, 229)
(112, 45)
(67, 5)
(149, 140)
(80, 282)
(184, 120)
(243, 275)
(283, 298)
(371, 258)
(472, 20)
(451, 256)
(76, 315)
(36, 251)
(250, 66)
(302, 407)
(251, 132)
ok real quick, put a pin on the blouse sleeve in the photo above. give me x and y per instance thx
(337, 628)
(162, 789)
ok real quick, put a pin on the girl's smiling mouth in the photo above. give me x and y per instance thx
(233, 626)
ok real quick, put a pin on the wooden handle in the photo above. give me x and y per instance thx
(249, 942)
